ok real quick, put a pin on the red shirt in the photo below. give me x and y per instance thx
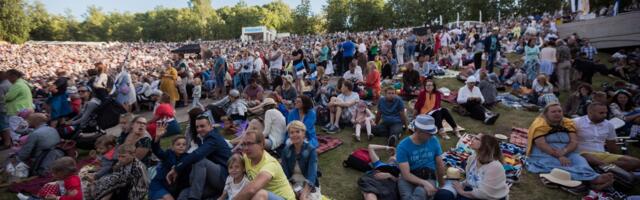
(73, 189)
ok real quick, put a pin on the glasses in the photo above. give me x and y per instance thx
(247, 144)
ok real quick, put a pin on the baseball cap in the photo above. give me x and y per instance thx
(425, 124)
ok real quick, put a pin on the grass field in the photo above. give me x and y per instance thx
(339, 183)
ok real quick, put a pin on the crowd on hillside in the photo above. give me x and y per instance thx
(258, 138)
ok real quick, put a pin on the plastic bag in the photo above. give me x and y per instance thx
(21, 170)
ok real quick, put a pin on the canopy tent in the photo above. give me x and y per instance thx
(189, 48)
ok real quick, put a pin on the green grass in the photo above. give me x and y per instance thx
(340, 183)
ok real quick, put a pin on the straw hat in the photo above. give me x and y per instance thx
(452, 173)
(560, 177)
(268, 101)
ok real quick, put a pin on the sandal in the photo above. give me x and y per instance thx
(548, 183)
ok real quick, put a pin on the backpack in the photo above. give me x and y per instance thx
(358, 160)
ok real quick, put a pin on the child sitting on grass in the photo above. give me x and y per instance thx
(362, 117)
(129, 179)
(105, 147)
(67, 183)
(237, 178)
(159, 187)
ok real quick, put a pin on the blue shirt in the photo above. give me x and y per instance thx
(309, 122)
(390, 110)
(419, 156)
(349, 48)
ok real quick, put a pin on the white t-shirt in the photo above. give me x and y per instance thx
(348, 75)
(232, 188)
(362, 48)
(591, 136)
(352, 97)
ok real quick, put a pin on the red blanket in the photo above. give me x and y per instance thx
(34, 185)
(326, 143)
(451, 98)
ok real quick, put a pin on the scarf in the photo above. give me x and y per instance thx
(539, 127)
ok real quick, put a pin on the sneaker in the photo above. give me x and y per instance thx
(22, 196)
(491, 119)
(357, 138)
(392, 141)
(333, 129)
(327, 126)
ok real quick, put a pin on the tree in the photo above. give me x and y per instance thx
(302, 22)
(277, 15)
(535, 7)
(14, 22)
(337, 14)
(368, 15)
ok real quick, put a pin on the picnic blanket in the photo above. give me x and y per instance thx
(519, 103)
(448, 74)
(326, 143)
(514, 158)
(33, 186)
(451, 98)
(518, 137)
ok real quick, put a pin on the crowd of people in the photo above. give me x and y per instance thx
(268, 98)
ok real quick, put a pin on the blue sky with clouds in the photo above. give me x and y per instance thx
(79, 7)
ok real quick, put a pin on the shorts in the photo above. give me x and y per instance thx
(605, 157)
(345, 117)
(273, 196)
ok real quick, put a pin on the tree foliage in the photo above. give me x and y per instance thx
(21, 21)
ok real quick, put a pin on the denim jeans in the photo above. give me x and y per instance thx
(491, 59)
(207, 181)
(409, 191)
(387, 129)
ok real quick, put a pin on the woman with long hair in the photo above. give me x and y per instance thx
(305, 112)
(429, 102)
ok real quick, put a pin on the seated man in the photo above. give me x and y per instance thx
(41, 139)
(595, 133)
(253, 92)
(470, 97)
(208, 163)
(268, 180)
(391, 112)
(232, 105)
(341, 108)
(419, 159)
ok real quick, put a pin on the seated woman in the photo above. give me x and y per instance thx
(164, 113)
(470, 97)
(372, 83)
(622, 107)
(578, 101)
(429, 102)
(552, 143)
(300, 163)
(138, 137)
(287, 91)
(485, 176)
(128, 181)
(304, 112)
(542, 91)
(410, 78)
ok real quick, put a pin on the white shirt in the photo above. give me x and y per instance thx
(277, 63)
(353, 97)
(257, 65)
(356, 74)
(232, 188)
(400, 46)
(445, 39)
(274, 127)
(464, 93)
(362, 48)
(591, 136)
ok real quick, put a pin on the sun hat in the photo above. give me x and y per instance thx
(288, 78)
(268, 101)
(234, 93)
(453, 173)
(425, 123)
(560, 177)
(471, 79)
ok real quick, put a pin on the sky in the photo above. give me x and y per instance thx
(79, 7)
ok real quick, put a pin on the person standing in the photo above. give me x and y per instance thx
(349, 50)
(589, 50)
(563, 69)
(400, 50)
(180, 64)
(168, 83)
(491, 48)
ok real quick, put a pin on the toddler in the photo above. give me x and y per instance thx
(67, 183)
(197, 92)
(362, 116)
(237, 178)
